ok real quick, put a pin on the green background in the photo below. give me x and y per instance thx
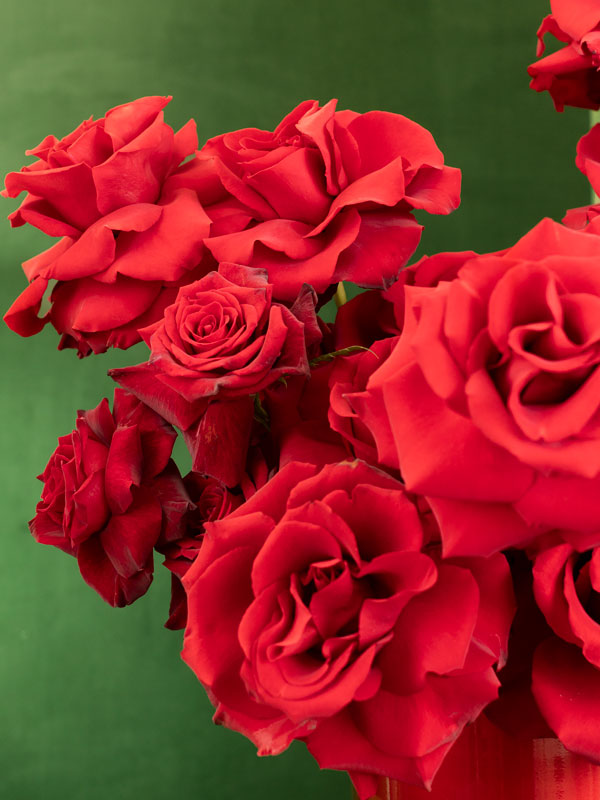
(96, 703)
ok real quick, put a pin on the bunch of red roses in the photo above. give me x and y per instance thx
(370, 501)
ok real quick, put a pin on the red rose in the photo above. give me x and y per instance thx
(126, 242)
(570, 74)
(109, 491)
(223, 339)
(334, 625)
(566, 667)
(212, 500)
(489, 403)
(325, 197)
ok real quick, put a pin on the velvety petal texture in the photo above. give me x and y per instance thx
(334, 624)
(110, 491)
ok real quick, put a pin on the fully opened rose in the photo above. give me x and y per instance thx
(333, 624)
(127, 242)
(327, 196)
(489, 404)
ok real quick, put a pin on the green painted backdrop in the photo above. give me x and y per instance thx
(95, 702)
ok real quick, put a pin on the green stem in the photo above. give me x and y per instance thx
(347, 351)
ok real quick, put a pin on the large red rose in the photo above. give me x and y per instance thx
(109, 491)
(327, 196)
(335, 625)
(222, 340)
(128, 242)
(571, 73)
(566, 667)
(489, 403)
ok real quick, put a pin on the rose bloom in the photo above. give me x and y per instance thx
(339, 624)
(222, 340)
(570, 74)
(110, 489)
(489, 403)
(327, 196)
(127, 244)
(566, 666)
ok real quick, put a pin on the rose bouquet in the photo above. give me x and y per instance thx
(391, 526)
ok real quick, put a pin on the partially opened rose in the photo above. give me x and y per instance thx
(327, 196)
(339, 624)
(222, 340)
(571, 73)
(127, 242)
(490, 403)
(109, 491)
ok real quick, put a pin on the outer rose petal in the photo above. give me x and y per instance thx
(218, 443)
(576, 18)
(22, 316)
(97, 571)
(286, 251)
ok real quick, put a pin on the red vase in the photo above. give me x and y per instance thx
(486, 764)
